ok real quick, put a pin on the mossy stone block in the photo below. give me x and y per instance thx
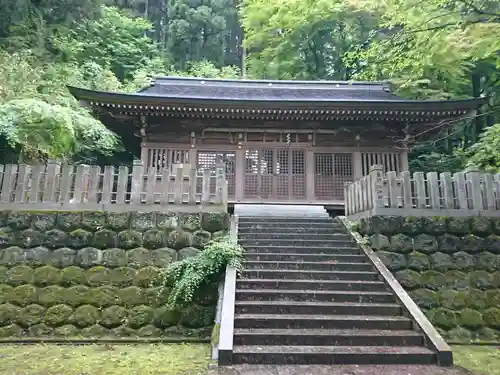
(441, 262)
(37, 256)
(491, 317)
(95, 331)
(432, 279)
(8, 314)
(23, 295)
(146, 277)
(195, 316)
(167, 221)
(18, 220)
(78, 295)
(178, 238)
(156, 296)
(487, 334)
(69, 221)
(434, 225)
(98, 276)
(56, 238)
(201, 238)
(459, 334)
(58, 315)
(19, 275)
(11, 256)
(471, 319)
(481, 225)
(105, 296)
(122, 276)
(30, 315)
(67, 330)
(476, 299)
(190, 222)
(409, 225)
(472, 243)
(63, 257)
(6, 236)
(51, 295)
(5, 290)
(140, 316)
(401, 243)
(73, 275)
(165, 317)
(480, 280)
(452, 299)
(12, 330)
(488, 261)
(44, 222)
(113, 316)
(459, 225)
(418, 261)
(456, 280)
(425, 243)
(188, 252)
(80, 238)
(379, 242)
(118, 221)
(93, 220)
(492, 243)
(149, 331)
(220, 234)
(105, 239)
(88, 257)
(493, 297)
(393, 261)
(132, 296)
(139, 257)
(464, 261)
(123, 331)
(47, 275)
(85, 316)
(408, 279)
(444, 318)
(213, 222)
(129, 239)
(495, 279)
(163, 257)
(448, 243)
(28, 238)
(154, 239)
(142, 221)
(425, 298)
(40, 330)
(113, 258)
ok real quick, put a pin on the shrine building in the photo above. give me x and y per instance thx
(293, 142)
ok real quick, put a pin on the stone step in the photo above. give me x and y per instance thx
(327, 337)
(352, 249)
(285, 219)
(318, 308)
(305, 257)
(295, 321)
(295, 242)
(294, 236)
(313, 266)
(314, 295)
(262, 228)
(309, 275)
(333, 355)
(261, 284)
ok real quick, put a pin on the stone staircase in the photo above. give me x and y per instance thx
(309, 295)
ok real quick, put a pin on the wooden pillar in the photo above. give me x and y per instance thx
(239, 178)
(310, 174)
(144, 154)
(357, 165)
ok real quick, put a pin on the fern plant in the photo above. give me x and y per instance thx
(187, 276)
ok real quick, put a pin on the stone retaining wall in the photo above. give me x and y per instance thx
(449, 266)
(93, 274)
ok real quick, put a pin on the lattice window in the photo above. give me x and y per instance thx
(342, 167)
(210, 159)
(331, 171)
(390, 161)
(298, 180)
(162, 158)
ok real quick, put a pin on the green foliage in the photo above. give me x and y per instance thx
(187, 276)
(485, 154)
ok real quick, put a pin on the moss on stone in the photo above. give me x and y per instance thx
(154, 239)
(441, 262)
(69, 221)
(6, 235)
(28, 238)
(163, 257)
(481, 225)
(195, 316)
(93, 220)
(476, 299)
(58, 315)
(472, 243)
(459, 334)
(201, 238)
(410, 225)
(85, 316)
(149, 331)
(44, 222)
(55, 238)
(146, 277)
(452, 299)
(78, 295)
(88, 257)
(5, 290)
(47, 275)
(220, 234)
(51, 295)
(36, 256)
(73, 275)
(63, 257)
(167, 221)
(487, 334)
(408, 279)
(114, 258)
(432, 279)
(480, 280)
(122, 276)
(19, 275)
(487, 261)
(11, 256)
(418, 261)
(464, 261)
(448, 243)
(143, 221)
(491, 317)
(118, 220)
(104, 296)
(140, 316)
(67, 330)
(23, 295)
(139, 257)
(166, 317)
(455, 279)
(113, 316)
(40, 330)
(188, 252)
(493, 297)
(190, 222)
(492, 243)
(19, 220)
(132, 296)
(12, 330)
(434, 225)
(495, 279)
(379, 242)
(80, 238)
(459, 225)
(425, 298)
(444, 318)
(156, 296)
(123, 331)
(129, 239)
(8, 313)
(95, 331)
(30, 315)
(425, 243)
(104, 239)
(470, 318)
(401, 243)
(98, 276)
(178, 238)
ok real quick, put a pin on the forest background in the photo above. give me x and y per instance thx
(427, 49)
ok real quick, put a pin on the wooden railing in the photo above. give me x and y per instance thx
(467, 193)
(84, 187)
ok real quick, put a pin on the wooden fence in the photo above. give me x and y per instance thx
(84, 187)
(467, 193)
